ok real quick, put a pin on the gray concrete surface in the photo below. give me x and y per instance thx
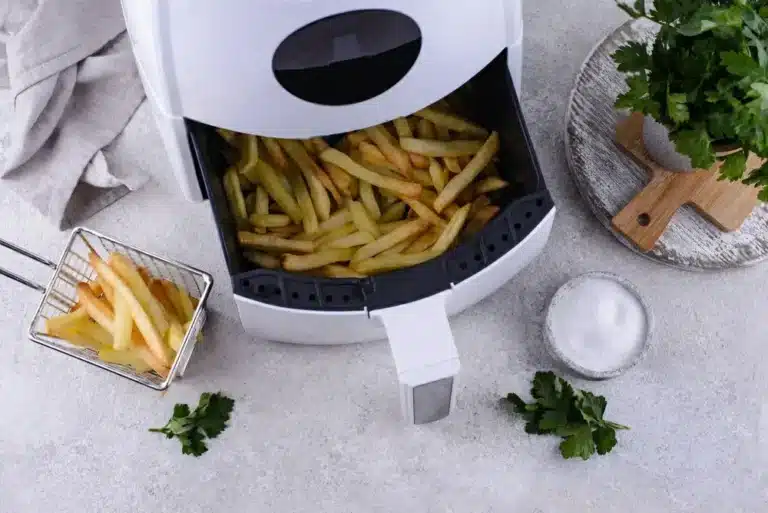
(317, 429)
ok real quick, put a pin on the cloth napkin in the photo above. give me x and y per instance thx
(71, 86)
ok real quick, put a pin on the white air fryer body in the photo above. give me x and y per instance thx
(212, 61)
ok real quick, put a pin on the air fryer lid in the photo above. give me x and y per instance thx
(488, 99)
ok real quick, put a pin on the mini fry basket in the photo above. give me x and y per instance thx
(60, 295)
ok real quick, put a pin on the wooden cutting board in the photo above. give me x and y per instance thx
(644, 219)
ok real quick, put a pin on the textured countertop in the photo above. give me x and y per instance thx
(318, 429)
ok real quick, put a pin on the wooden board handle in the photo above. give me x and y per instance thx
(646, 217)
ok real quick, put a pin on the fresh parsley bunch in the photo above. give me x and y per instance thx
(192, 427)
(705, 78)
(575, 415)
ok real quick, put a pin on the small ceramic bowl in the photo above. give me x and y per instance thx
(555, 349)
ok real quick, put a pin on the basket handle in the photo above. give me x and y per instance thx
(20, 279)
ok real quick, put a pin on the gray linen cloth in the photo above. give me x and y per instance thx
(71, 86)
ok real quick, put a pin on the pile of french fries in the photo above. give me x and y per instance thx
(128, 316)
(387, 197)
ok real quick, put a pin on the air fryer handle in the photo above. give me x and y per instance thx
(425, 357)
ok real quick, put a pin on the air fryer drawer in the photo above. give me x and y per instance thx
(489, 99)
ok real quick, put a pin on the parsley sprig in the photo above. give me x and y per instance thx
(575, 415)
(706, 78)
(192, 427)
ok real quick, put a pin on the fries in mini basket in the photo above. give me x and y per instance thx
(129, 317)
(386, 197)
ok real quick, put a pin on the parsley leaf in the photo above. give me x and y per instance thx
(696, 144)
(579, 444)
(734, 166)
(574, 415)
(192, 427)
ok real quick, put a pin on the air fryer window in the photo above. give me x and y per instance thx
(347, 58)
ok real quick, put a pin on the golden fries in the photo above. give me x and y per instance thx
(272, 242)
(273, 184)
(411, 188)
(235, 196)
(385, 242)
(452, 122)
(361, 217)
(435, 148)
(451, 232)
(388, 146)
(459, 182)
(317, 260)
(128, 273)
(404, 188)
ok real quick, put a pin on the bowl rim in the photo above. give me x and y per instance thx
(554, 349)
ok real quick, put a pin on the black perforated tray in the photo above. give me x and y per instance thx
(489, 99)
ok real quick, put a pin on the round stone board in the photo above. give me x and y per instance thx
(608, 178)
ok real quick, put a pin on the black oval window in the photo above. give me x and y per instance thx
(347, 58)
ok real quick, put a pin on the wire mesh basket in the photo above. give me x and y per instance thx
(61, 295)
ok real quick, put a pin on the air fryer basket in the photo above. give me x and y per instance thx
(489, 99)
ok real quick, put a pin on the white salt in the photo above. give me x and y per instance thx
(598, 324)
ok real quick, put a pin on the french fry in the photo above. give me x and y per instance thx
(308, 146)
(403, 129)
(480, 219)
(490, 184)
(371, 154)
(94, 332)
(310, 220)
(337, 220)
(392, 226)
(228, 135)
(262, 259)
(249, 150)
(75, 337)
(122, 325)
(339, 271)
(119, 357)
(142, 319)
(274, 243)
(287, 231)
(422, 177)
(128, 274)
(437, 148)
(261, 205)
(278, 191)
(352, 240)
(61, 322)
(338, 233)
(270, 220)
(146, 276)
(461, 181)
(340, 178)
(355, 138)
(368, 197)
(188, 303)
(318, 181)
(478, 204)
(393, 238)
(388, 146)
(334, 156)
(362, 218)
(426, 130)
(181, 301)
(275, 152)
(97, 309)
(400, 247)
(437, 174)
(452, 122)
(394, 212)
(451, 232)
(160, 293)
(385, 263)
(428, 197)
(425, 241)
(316, 260)
(234, 194)
(176, 336)
(424, 212)
(451, 163)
